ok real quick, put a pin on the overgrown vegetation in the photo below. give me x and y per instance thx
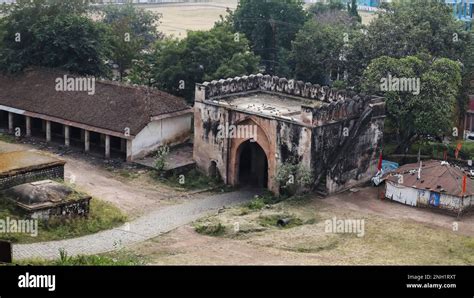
(120, 258)
(210, 229)
(102, 216)
(7, 138)
(260, 201)
(160, 157)
(192, 180)
(293, 178)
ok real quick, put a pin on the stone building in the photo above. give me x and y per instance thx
(335, 135)
(125, 121)
(19, 167)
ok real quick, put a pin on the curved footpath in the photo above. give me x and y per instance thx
(146, 227)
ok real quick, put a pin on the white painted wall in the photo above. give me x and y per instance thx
(169, 131)
(401, 194)
(412, 196)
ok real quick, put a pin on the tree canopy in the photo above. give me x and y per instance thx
(270, 26)
(203, 55)
(426, 112)
(51, 33)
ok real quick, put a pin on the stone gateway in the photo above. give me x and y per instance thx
(333, 136)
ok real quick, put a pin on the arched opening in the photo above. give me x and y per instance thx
(253, 165)
(213, 172)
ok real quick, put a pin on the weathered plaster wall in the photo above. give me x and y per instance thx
(168, 131)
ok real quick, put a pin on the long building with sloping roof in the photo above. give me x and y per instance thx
(95, 114)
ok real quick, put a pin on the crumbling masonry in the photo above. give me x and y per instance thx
(335, 135)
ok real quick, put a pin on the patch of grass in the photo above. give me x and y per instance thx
(128, 174)
(324, 246)
(7, 138)
(210, 229)
(192, 180)
(120, 258)
(272, 221)
(102, 216)
(256, 204)
(260, 201)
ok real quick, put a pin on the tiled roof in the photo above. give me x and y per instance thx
(113, 107)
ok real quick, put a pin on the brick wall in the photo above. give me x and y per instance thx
(52, 173)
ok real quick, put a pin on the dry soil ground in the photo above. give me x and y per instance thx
(394, 234)
(131, 189)
(178, 18)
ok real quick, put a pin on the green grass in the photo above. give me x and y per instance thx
(210, 229)
(120, 258)
(7, 138)
(192, 180)
(102, 216)
(271, 221)
(260, 201)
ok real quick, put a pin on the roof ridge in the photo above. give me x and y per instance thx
(452, 176)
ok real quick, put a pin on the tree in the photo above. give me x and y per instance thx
(176, 65)
(352, 10)
(51, 33)
(132, 30)
(320, 51)
(269, 25)
(410, 27)
(321, 7)
(416, 115)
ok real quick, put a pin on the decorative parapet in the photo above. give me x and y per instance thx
(337, 104)
(261, 82)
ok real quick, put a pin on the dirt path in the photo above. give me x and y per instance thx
(365, 201)
(135, 196)
(146, 227)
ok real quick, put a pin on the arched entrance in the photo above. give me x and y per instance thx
(252, 165)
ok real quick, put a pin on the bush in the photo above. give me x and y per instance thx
(191, 180)
(210, 229)
(161, 155)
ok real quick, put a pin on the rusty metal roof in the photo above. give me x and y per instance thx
(442, 178)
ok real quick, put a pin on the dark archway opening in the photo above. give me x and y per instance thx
(253, 165)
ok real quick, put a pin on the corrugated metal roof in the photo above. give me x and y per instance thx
(443, 178)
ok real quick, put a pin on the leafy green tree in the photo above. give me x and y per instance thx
(322, 7)
(176, 65)
(352, 10)
(410, 27)
(407, 28)
(132, 30)
(52, 33)
(320, 50)
(416, 115)
(269, 25)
